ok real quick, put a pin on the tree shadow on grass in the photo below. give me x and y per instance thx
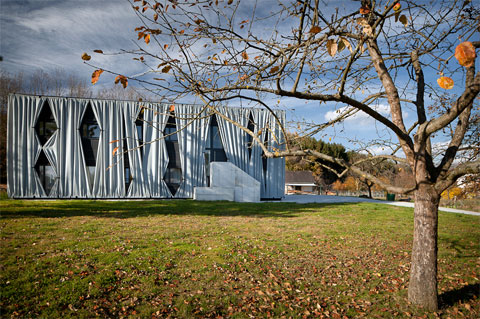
(130, 209)
(466, 293)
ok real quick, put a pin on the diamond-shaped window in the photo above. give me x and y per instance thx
(173, 175)
(46, 125)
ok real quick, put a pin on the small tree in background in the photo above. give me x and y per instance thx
(403, 55)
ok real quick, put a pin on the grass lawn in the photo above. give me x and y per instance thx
(186, 259)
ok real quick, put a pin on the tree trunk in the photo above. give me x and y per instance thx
(422, 289)
(369, 190)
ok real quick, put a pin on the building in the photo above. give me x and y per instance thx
(90, 148)
(300, 182)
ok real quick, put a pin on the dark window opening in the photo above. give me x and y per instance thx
(139, 128)
(251, 127)
(170, 131)
(173, 179)
(214, 148)
(214, 151)
(45, 172)
(173, 174)
(46, 125)
(90, 133)
(128, 179)
(265, 159)
(126, 163)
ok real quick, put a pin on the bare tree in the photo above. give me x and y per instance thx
(357, 57)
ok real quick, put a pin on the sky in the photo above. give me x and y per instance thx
(50, 34)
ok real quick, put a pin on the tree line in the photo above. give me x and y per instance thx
(332, 177)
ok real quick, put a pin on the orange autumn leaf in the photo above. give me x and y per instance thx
(147, 38)
(274, 69)
(155, 17)
(445, 82)
(86, 57)
(315, 29)
(96, 75)
(245, 55)
(122, 79)
(364, 10)
(115, 150)
(98, 51)
(115, 141)
(465, 54)
(397, 6)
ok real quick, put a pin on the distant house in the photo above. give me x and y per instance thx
(300, 182)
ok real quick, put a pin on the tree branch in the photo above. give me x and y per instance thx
(456, 173)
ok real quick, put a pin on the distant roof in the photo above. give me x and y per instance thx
(299, 177)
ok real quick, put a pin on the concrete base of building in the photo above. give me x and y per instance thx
(228, 182)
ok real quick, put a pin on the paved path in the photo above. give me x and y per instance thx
(305, 199)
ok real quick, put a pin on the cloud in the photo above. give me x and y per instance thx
(360, 119)
(52, 34)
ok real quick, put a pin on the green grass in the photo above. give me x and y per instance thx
(188, 259)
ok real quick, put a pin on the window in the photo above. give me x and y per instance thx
(126, 166)
(90, 134)
(128, 179)
(45, 173)
(173, 179)
(139, 127)
(173, 174)
(251, 127)
(214, 147)
(265, 159)
(214, 151)
(46, 125)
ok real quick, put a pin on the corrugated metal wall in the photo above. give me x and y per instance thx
(71, 177)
